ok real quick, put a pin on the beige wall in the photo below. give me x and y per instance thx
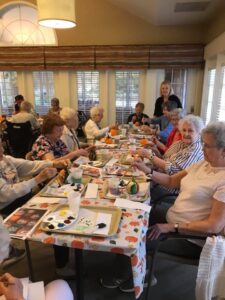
(215, 28)
(101, 23)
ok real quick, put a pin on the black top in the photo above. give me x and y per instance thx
(138, 118)
(158, 104)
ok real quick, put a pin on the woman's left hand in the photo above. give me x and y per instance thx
(157, 229)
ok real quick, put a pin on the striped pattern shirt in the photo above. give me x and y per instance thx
(179, 156)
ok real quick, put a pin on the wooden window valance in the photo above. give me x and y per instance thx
(101, 57)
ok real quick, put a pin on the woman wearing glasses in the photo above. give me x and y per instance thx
(200, 206)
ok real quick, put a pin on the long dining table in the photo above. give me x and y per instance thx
(129, 239)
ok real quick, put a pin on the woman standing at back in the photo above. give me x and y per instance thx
(166, 93)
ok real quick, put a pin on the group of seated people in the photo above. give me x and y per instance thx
(189, 163)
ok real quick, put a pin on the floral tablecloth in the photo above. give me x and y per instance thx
(129, 240)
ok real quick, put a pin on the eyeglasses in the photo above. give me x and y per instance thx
(204, 145)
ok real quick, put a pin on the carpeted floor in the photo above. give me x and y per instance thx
(175, 281)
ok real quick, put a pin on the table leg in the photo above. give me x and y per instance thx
(29, 261)
(79, 274)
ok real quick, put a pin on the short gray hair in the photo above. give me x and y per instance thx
(217, 130)
(95, 111)
(196, 121)
(68, 113)
(179, 112)
(26, 106)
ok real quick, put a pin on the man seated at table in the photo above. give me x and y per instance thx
(137, 117)
(92, 127)
(15, 192)
(25, 114)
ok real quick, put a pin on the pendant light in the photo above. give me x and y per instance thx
(56, 13)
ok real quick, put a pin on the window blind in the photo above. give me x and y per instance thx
(220, 115)
(88, 90)
(178, 79)
(8, 91)
(43, 91)
(127, 94)
(210, 90)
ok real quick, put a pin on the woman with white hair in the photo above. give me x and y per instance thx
(12, 288)
(92, 127)
(180, 155)
(200, 205)
(69, 136)
(25, 114)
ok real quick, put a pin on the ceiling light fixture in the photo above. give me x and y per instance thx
(56, 13)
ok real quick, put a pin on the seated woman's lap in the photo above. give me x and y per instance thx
(58, 290)
(177, 247)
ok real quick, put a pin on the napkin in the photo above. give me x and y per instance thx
(92, 191)
(124, 203)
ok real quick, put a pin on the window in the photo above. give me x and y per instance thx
(8, 91)
(210, 90)
(88, 90)
(220, 116)
(19, 26)
(127, 94)
(43, 91)
(178, 79)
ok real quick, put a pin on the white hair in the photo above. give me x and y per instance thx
(67, 113)
(95, 111)
(179, 112)
(217, 130)
(196, 121)
(4, 241)
(26, 106)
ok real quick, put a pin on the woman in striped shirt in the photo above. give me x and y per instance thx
(181, 154)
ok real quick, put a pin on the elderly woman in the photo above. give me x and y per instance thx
(166, 94)
(69, 136)
(25, 114)
(163, 122)
(175, 116)
(200, 206)
(182, 153)
(92, 127)
(49, 145)
(13, 191)
(12, 287)
(55, 106)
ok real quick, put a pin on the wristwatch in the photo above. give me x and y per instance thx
(176, 227)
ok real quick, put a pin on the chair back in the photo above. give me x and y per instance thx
(82, 118)
(20, 138)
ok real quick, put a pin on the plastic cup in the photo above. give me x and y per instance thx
(74, 202)
(113, 184)
(124, 131)
(76, 175)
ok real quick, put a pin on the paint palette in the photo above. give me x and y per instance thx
(60, 219)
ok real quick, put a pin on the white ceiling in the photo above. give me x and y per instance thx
(161, 12)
